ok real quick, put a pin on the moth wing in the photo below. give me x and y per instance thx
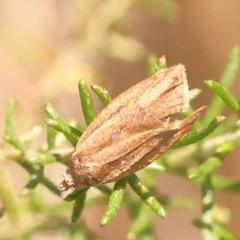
(145, 153)
(112, 141)
(101, 149)
(143, 95)
(137, 120)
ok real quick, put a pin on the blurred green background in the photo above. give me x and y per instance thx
(46, 46)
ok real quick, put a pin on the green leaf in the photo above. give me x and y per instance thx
(44, 180)
(86, 102)
(156, 167)
(76, 194)
(31, 135)
(216, 107)
(65, 129)
(10, 118)
(151, 64)
(43, 159)
(103, 94)
(226, 184)
(213, 162)
(15, 142)
(104, 189)
(142, 223)
(161, 64)
(225, 95)
(145, 195)
(78, 207)
(7, 195)
(199, 134)
(166, 9)
(50, 185)
(238, 123)
(34, 181)
(51, 137)
(115, 201)
(223, 233)
(193, 93)
(55, 121)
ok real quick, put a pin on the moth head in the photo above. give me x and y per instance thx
(74, 179)
(67, 183)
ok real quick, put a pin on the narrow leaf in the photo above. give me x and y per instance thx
(69, 132)
(151, 64)
(50, 185)
(86, 102)
(78, 207)
(213, 162)
(142, 223)
(10, 118)
(225, 95)
(115, 201)
(103, 94)
(193, 93)
(227, 79)
(162, 64)
(34, 181)
(226, 184)
(104, 189)
(145, 195)
(54, 120)
(199, 134)
(76, 194)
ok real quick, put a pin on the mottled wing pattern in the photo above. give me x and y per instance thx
(146, 153)
(132, 131)
(137, 120)
(140, 93)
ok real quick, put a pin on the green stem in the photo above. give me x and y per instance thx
(207, 208)
(7, 195)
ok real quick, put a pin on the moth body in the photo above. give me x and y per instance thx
(136, 128)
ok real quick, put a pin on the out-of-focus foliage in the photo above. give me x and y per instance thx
(100, 28)
(55, 217)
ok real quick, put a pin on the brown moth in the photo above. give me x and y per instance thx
(136, 128)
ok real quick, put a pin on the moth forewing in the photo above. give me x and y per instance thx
(144, 154)
(152, 101)
(144, 93)
(124, 137)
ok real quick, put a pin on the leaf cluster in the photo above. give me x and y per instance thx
(205, 147)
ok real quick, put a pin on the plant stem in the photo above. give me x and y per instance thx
(7, 195)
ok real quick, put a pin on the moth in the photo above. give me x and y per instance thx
(136, 128)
